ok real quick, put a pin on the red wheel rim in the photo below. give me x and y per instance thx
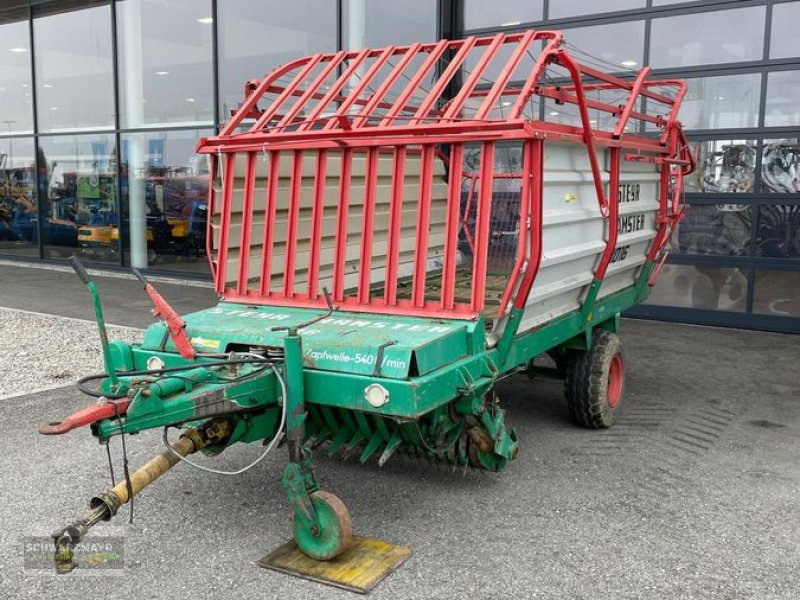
(616, 375)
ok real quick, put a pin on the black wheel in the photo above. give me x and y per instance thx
(594, 381)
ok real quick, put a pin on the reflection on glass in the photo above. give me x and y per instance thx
(256, 36)
(715, 229)
(164, 61)
(78, 186)
(708, 38)
(593, 45)
(501, 13)
(778, 231)
(783, 39)
(572, 8)
(18, 210)
(375, 24)
(701, 287)
(783, 99)
(723, 166)
(73, 68)
(15, 82)
(164, 195)
(780, 166)
(777, 293)
(721, 102)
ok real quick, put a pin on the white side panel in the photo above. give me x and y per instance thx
(575, 234)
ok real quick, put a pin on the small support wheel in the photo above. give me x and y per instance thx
(335, 532)
(594, 381)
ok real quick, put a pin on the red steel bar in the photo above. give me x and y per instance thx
(225, 221)
(340, 257)
(395, 223)
(211, 211)
(316, 224)
(367, 224)
(270, 208)
(457, 103)
(252, 100)
(533, 79)
(473, 179)
(423, 224)
(363, 84)
(247, 222)
(380, 93)
(452, 225)
(613, 215)
(270, 112)
(673, 115)
(351, 303)
(563, 97)
(588, 134)
(413, 84)
(291, 224)
(482, 223)
(444, 79)
(319, 80)
(536, 152)
(662, 218)
(355, 63)
(438, 133)
(634, 96)
(505, 75)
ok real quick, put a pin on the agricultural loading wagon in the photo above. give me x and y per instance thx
(391, 231)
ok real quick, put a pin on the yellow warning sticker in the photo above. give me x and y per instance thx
(198, 341)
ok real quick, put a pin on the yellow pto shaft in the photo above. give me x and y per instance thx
(105, 505)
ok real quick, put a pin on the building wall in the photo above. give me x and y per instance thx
(102, 102)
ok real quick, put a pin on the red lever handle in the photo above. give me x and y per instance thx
(173, 321)
(86, 416)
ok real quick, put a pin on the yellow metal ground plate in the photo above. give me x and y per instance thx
(359, 569)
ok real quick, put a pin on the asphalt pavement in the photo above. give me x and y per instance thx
(695, 493)
(59, 292)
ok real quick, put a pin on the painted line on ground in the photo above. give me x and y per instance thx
(47, 388)
(76, 319)
(199, 283)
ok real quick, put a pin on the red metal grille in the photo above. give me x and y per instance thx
(345, 170)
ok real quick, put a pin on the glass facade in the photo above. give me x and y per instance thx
(103, 101)
(707, 38)
(165, 69)
(164, 192)
(19, 211)
(77, 195)
(255, 36)
(16, 93)
(74, 72)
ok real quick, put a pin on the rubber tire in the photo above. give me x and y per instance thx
(336, 531)
(586, 382)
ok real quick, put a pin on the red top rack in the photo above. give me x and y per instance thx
(431, 99)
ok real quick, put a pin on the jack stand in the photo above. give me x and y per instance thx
(323, 548)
